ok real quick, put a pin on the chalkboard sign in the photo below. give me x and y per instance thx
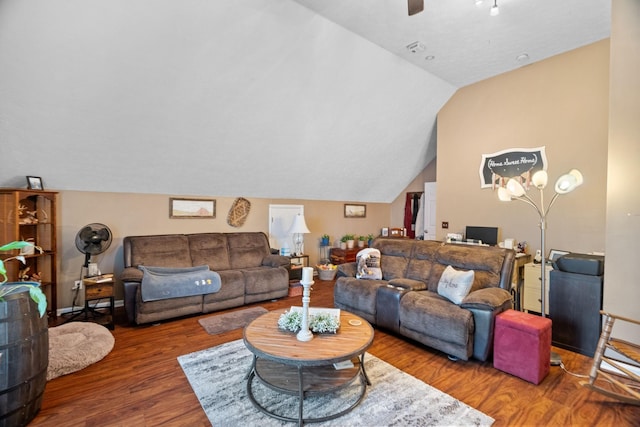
(497, 168)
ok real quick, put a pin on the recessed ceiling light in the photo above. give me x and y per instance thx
(523, 57)
(430, 57)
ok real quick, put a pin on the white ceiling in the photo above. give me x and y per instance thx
(466, 43)
(253, 98)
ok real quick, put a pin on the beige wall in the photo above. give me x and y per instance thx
(622, 290)
(560, 103)
(139, 214)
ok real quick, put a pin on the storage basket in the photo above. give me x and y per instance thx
(327, 274)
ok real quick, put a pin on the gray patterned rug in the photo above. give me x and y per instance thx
(220, 323)
(217, 376)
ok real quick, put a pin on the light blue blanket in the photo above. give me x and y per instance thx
(160, 283)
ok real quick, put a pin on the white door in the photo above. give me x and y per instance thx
(429, 211)
(280, 221)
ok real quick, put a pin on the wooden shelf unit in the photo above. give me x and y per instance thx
(31, 215)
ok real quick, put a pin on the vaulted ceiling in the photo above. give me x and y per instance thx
(254, 98)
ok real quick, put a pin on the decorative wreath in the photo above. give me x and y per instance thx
(239, 212)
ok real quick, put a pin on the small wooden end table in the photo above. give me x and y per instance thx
(294, 367)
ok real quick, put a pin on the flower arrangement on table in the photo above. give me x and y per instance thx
(321, 320)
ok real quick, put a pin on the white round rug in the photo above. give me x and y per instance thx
(74, 346)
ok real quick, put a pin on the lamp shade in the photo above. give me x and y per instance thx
(540, 179)
(515, 188)
(504, 195)
(569, 182)
(299, 226)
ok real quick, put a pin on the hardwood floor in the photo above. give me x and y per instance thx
(141, 384)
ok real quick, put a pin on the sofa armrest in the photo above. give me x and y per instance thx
(130, 291)
(348, 269)
(486, 299)
(131, 274)
(276, 261)
(485, 304)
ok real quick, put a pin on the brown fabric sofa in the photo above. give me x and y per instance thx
(248, 271)
(406, 300)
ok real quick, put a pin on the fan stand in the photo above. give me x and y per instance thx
(87, 309)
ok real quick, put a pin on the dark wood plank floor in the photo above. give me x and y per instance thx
(141, 384)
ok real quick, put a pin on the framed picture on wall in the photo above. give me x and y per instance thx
(355, 211)
(192, 208)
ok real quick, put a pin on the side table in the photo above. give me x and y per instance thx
(96, 289)
(297, 262)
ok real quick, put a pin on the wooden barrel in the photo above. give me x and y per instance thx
(24, 357)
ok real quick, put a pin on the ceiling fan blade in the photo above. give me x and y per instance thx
(415, 6)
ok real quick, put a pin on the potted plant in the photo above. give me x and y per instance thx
(324, 240)
(370, 238)
(349, 240)
(24, 387)
(361, 240)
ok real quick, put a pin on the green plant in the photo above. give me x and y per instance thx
(363, 238)
(35, 292)
(371, 237)
(319, 323)
(325, 236)
(348, 237)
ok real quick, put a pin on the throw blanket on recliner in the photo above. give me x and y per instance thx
(161, 282)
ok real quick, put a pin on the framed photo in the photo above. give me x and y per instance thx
(34, 183)
(355, 211)
(385, 232)
(554, 254)
(192, 208)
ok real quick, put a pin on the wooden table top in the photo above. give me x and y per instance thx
(264, 339)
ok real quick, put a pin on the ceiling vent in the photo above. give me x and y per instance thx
(416, 47)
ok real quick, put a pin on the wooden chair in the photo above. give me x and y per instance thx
(616, 364)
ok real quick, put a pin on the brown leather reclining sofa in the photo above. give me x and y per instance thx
(248, 272)
(406, 300)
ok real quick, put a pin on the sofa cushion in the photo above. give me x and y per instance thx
(421, 263)
(433, 315)
(481, 259)
(455, 285)
(209, 249)
(171, 250)
(247, 250)
(357, 294)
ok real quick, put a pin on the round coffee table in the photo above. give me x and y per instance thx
(289, 366)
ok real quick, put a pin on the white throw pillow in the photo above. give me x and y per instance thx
(455, 285)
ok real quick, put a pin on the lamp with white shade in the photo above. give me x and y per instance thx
(515, 191)
(298, 229)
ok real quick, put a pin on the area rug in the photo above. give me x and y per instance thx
(218, 378)
(229, 321)
(74, 346)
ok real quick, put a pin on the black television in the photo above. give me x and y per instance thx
(487, 235)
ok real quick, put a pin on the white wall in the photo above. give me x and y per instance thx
(622, 287)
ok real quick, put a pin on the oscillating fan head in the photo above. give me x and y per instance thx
(93, 239)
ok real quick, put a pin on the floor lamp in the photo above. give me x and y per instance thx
(515, 191)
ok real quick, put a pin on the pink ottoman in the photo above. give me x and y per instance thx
(522, 345)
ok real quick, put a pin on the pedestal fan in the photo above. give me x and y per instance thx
(92, 239)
